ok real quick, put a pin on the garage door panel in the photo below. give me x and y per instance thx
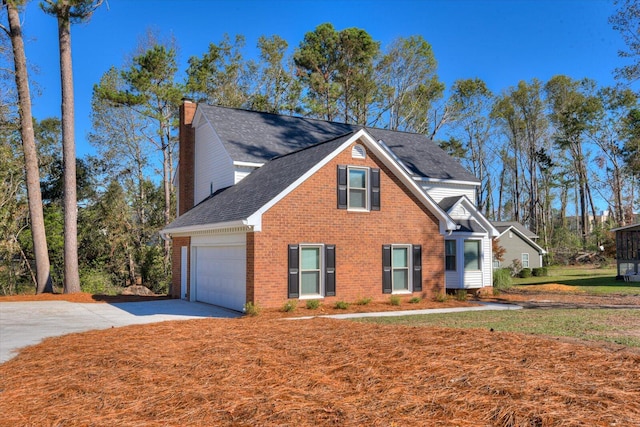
(221, 276)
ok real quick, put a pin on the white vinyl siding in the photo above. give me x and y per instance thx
(440, 190)
(240, 172)
(213, 166)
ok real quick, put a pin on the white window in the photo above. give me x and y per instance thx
(357, 188)
(525, 260)
(400, 268)
(472, 255)
(311, 271)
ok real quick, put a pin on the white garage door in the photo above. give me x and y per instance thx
(221, 276)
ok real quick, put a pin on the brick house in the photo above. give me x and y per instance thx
(274, 207)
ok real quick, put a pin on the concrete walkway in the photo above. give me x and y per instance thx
(28, 323)
(484, 306)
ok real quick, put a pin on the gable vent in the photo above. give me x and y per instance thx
(357, 152)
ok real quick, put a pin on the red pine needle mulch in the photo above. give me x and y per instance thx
(261, 372)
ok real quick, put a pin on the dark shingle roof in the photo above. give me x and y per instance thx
(503, 226)
(447, 203)
(469, 226)
(251, 136)
(240, 201)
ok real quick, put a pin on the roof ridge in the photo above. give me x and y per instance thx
(312, 119)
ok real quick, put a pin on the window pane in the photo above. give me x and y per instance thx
(400, 280)
(472, 255)
(450, 247)
(525, 260)
(310, 258)
(357, 178)
(399, 257)
(357, 199)
(310, 283)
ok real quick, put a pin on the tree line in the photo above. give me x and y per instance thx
(546, 153)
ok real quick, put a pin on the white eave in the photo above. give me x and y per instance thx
(247, 164)
(221, 227)
(446, 181)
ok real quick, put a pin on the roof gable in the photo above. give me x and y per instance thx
(503, 226)
(255, 194)
(257, 137)
(477, 223)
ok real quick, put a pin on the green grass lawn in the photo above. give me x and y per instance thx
(610, 325)
(596, 281)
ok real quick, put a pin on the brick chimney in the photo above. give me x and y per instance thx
(187, 140)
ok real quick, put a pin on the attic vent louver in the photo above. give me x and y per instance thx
(357, 152)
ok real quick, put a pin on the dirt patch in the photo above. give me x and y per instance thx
(254, 371)
(558, 299)
(551, 287)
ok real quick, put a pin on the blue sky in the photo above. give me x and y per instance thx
(499, 41)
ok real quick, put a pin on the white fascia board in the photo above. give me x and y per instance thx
(445, 222)
(447, 181)
(382, 152)
(247, 164)
(477, 215)
(167, 233)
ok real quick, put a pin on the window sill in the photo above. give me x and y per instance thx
(311, 297)
(401, 292)
(357, 210)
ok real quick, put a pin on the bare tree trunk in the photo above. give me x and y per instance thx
(71, 273)
(43, 272)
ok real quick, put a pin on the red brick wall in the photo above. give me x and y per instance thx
(309, 215)
(186, 156)
(178, 243)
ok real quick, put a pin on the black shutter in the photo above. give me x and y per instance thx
(417, 268)
(386, 269)
(294, 272)
(342, 187)
(330, 270)
(375, 189)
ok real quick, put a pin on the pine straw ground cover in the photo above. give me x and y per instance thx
(261, 372)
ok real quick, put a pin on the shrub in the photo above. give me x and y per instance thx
(515, 267)
(540, 272)
(342, 305)
(394, 300)
(415, 300)
(461, 295)
(313, 304)
(501, 279)
(97, 282)
(441, 297)
(251, 309)
(364, 301)
(289, 306)
(525, 272)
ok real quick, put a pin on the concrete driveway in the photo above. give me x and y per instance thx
(28, 323)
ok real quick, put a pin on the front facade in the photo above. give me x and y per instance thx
(628, 250)
(340, 218)
(519, 244)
